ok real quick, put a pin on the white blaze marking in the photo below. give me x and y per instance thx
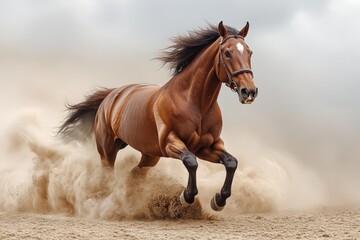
(240, 47)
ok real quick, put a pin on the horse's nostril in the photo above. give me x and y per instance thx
(256, 92)
(244, 93)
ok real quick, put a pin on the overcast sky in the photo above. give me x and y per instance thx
(306, 63)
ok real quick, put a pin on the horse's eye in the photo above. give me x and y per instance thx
(227, 54)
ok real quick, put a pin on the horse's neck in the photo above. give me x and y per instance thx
(199, 81)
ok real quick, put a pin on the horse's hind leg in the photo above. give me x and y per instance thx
(145, 163)
(108, 151)
(107, 145)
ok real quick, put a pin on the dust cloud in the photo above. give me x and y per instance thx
(47, 175)
(41, 173)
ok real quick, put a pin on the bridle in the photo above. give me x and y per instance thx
(231, 83)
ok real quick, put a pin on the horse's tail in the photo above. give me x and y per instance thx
(82, 115)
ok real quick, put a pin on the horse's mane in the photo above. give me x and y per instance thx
(186, 47)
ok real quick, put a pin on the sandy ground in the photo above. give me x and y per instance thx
(319, 224)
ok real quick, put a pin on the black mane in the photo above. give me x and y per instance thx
(186, 47)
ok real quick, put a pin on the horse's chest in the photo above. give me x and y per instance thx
(197, 141)
(198, 133)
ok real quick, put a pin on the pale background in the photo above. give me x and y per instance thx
(306, 66)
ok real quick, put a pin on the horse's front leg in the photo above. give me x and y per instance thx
(217, 154)
(175, 148)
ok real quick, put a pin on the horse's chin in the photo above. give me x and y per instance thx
(241, 100)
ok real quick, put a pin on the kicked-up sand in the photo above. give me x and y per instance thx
(51, 189)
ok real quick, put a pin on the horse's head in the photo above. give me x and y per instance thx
(234, 64)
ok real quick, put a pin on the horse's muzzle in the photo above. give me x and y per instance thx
(247, 95)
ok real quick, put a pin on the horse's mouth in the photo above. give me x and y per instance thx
(246, 101)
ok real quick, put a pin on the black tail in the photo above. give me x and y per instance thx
(82, 115)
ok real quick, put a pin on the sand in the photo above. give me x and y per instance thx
(317, 224)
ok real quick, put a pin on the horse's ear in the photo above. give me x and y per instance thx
(222, 30)
(243, 32)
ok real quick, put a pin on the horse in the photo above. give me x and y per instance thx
(180, 119)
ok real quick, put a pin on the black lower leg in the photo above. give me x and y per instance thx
(191, 165)
(230, 164)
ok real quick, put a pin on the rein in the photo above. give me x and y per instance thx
(231, 83)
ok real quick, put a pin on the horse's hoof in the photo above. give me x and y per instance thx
(214, 205)
(183, 201)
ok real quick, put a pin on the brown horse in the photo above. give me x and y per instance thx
(180, 119)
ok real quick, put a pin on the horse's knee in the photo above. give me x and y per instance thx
(230, 163)
(190, 162)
